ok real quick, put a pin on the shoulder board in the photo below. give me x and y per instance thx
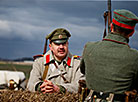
(37, 56)
(76, 57)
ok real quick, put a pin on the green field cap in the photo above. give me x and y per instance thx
(125, 19)
(59, 35)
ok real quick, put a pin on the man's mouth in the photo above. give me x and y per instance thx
(61, 51)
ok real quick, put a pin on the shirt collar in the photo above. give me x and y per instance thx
(48, 58)
(68, 60)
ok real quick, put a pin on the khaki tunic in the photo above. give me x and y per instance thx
(69, 68)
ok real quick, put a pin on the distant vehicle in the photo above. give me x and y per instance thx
(12, 79)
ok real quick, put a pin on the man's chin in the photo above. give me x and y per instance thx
(62, 54)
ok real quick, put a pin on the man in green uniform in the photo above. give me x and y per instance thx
(110, 65)
(57, 70)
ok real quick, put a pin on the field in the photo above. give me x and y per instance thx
(14, 66)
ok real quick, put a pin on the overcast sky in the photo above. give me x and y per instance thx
(25, 23)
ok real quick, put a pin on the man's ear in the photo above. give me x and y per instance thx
(111, 27)
(50, 46)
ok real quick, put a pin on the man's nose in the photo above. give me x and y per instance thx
(61, 45)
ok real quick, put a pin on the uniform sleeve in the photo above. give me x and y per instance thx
(82, 63)
(136, 78)
(77, 75)
(35, 76)
(82, 66)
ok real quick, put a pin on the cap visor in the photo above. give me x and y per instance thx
(60, 41)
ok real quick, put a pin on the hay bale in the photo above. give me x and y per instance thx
(27, 96)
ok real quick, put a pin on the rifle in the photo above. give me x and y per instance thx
(45, 46)
(107, 14)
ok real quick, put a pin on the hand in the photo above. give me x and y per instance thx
(48, 87)
(56, 88)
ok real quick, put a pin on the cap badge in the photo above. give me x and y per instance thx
(60, 36)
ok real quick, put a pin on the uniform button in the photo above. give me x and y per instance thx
(94, 96)
(107, 98)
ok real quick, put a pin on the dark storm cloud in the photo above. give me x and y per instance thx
(25, 23)
(29, 20)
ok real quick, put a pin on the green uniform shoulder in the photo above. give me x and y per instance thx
(91, 43)
(134, 50)
(88, 45)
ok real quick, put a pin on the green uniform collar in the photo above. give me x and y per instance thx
(117, 37)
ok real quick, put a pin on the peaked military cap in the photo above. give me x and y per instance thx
(125, 19)
(59, 35)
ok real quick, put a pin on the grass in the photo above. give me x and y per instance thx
(16, 67)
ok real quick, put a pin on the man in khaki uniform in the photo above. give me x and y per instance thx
(57, 70)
